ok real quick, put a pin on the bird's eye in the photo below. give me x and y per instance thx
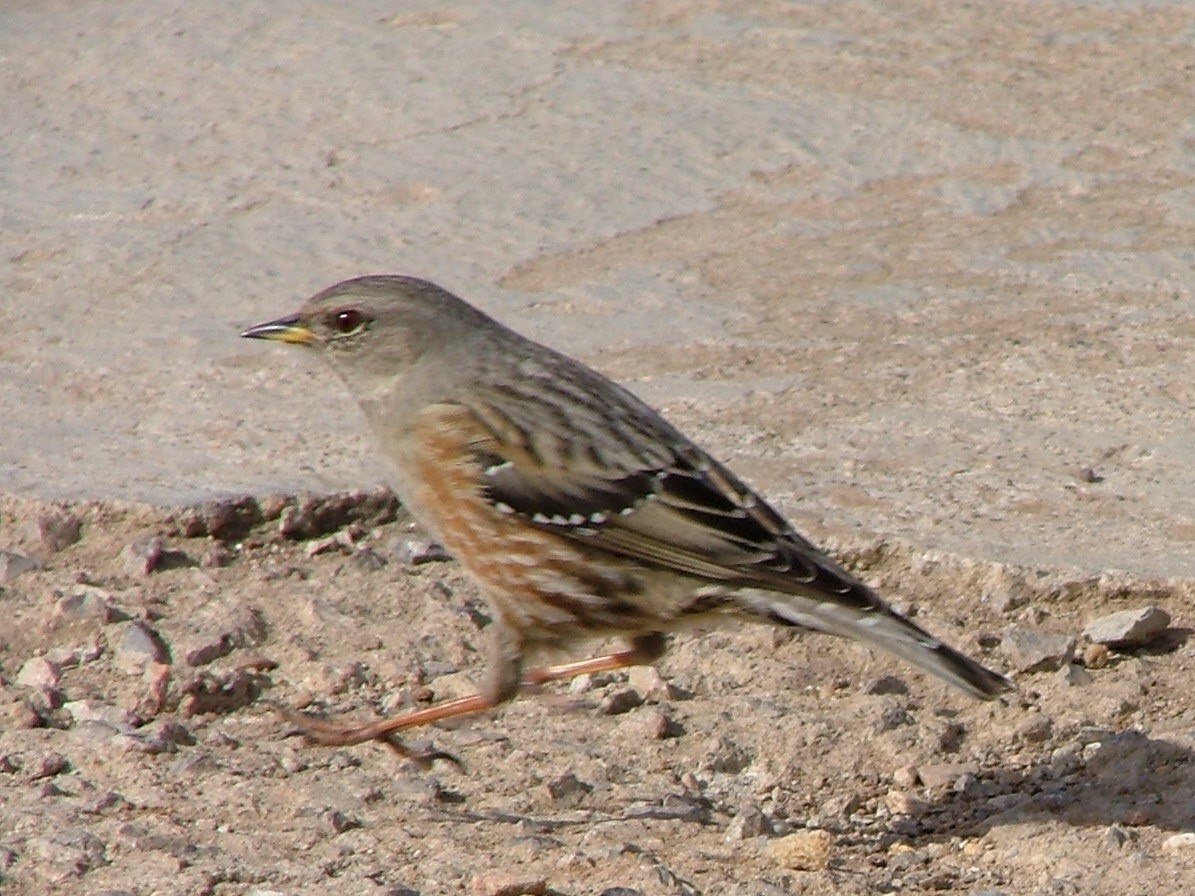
(347, 321)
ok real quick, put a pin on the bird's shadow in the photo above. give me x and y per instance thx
(1123, 778)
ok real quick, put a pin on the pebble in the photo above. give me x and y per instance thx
(1033, 651)
(39, 673)
(52, 532)
(1095, 656)
(654, 724)
(728, 757)
(943, 774)
(906, 776)
(650, 684)
(1175, 842)
(619, 700)
(1128, 628)
(413, 550)
(72, 852)
(807, 850)
(82, 711)
(141, 557)
(886, 684)
(1073, 675)
(46, 766)
(748, 822)
(140, 645)
(86, 602)
(900, 802)
(13, 565)
(502, 883)
(1035, 731)
(568, 790)
(217, 630)
(341, 822)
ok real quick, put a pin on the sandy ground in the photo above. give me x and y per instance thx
(919, 271)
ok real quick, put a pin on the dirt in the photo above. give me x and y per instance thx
(918, 270)
(151, 760)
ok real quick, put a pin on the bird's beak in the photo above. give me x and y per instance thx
(285, 329)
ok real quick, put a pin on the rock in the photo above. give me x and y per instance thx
(311, 517)
(807, 850)
(1035, 731)
(218, 691)
(341, 822)
(82, 711)
(502, 883)
(906, 776)
(1117, 836)
(141, 557)
(69, 853)
(87, 603)
(568, 790)
(452, 685)
(748, 822)
(728, 757)
(1095, 656)
(1128, 628)
(893, 717)
(900, 802)
(39, 673)
(619, 700)
(413, 550)
(217, 630)
(51, 532)
(1176, 842)
(13, 565)
(650, 684)
(886, 684)
(140, 645)
(226, 520)
(653, 724)
(46, 766)
(1074, 675)
(1033, 651)
(943, 774)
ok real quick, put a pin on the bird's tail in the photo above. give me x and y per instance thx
(874, 622)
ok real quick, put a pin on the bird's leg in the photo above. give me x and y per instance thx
(644, 649)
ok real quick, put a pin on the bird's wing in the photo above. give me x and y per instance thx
(618, 477)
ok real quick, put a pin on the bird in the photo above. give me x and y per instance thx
(578, 510)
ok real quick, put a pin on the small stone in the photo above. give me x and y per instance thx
(502, 883)
(22, 716)
(52, 532)
(748, 822)
(619, 700)
(141, 557)
(893, 717)
(217, 630)
(900, 802)
(568, 790)
(1117, 836)
(39, 673)
(47, 766)
(728, 757)
(906, 776)
(1032, 651)
(1136, 818)
(69, 853)
(1035, 731)
(341, 822)
(82, 711)
(650, 684)
(943, 774)
(140, 645)
(412, 550)
(886, 684)
(1128, 628)
(13, 565)
(1095, 656)
(452, 685)
(85, 603)
(654, 724)
(1177, 842)
(1074, 675)
(807, 850)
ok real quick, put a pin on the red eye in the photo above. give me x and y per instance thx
(346, 321)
